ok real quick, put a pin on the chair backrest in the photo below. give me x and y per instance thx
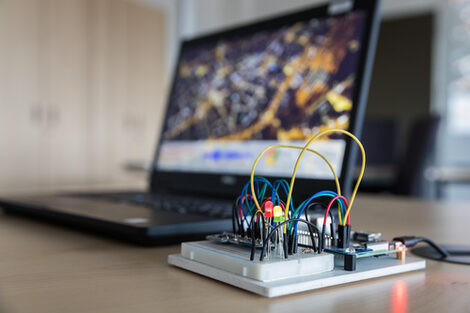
(420, 147)
(379, 137)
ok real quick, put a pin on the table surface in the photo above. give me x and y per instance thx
(45, 268)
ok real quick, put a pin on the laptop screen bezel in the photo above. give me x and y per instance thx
(229, 184)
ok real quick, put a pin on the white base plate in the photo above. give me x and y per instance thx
(366, 268)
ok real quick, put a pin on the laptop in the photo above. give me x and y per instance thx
(234, 93)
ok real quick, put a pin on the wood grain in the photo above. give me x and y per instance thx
(45, 268)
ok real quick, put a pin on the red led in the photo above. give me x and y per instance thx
(268, 209)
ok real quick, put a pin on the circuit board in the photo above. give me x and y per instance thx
(203, 263)
(277, 248)
(236, 259)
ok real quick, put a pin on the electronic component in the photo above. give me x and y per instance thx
(410, 241)
(304, 238)
(268, 209)
(377, 245)
(363, 236)
(278, 214)
(235, 259)
(350, 262)
(366, 268)
(317, 219)
(234, 239)
(344, 233)
(274, 240)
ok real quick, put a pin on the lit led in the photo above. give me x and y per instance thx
(278, 214)
(268, 209)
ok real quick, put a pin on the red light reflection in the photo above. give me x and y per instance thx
(400, 297)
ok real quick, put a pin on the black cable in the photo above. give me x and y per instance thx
(295, 242)
(241, 229)
(235, 217)
(330, 214)
(310, 228)
(286, 255)
(410, 241)
(242, 224)
(312, 238)
(268, 238)
(458, 254)
(253, 237)
(291, 245)
(311, 205)
(253, 241)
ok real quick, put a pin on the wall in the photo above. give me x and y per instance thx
(200, 16)
(455, 149)
(171, 10)
(80, 91)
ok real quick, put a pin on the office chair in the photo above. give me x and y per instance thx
(419, 152)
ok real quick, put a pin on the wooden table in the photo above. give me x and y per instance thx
(46, 268)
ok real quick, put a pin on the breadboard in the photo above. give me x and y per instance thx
(367, 268)
(236, 259)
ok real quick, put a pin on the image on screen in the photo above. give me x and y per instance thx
(233, 97)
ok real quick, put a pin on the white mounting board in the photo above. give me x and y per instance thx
(367, 268)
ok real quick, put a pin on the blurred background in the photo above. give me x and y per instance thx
(83, 83)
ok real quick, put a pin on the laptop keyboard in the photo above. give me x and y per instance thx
(179, 204)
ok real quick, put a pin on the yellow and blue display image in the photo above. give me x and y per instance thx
(283, 84)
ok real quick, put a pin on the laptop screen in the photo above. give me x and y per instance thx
(235, 95)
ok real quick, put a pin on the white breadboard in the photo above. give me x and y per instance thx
(231, 272)
(235, 259)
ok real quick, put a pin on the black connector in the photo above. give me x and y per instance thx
(292, 238)
(333, 234)
(321, 240)
(285, 246)
(349, 262)
(344, 236)
(410, 241)
(312, 238)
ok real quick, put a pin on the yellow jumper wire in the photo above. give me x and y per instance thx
(253, 193)
(356, 187)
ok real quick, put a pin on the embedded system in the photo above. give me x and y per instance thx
(278, 246)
